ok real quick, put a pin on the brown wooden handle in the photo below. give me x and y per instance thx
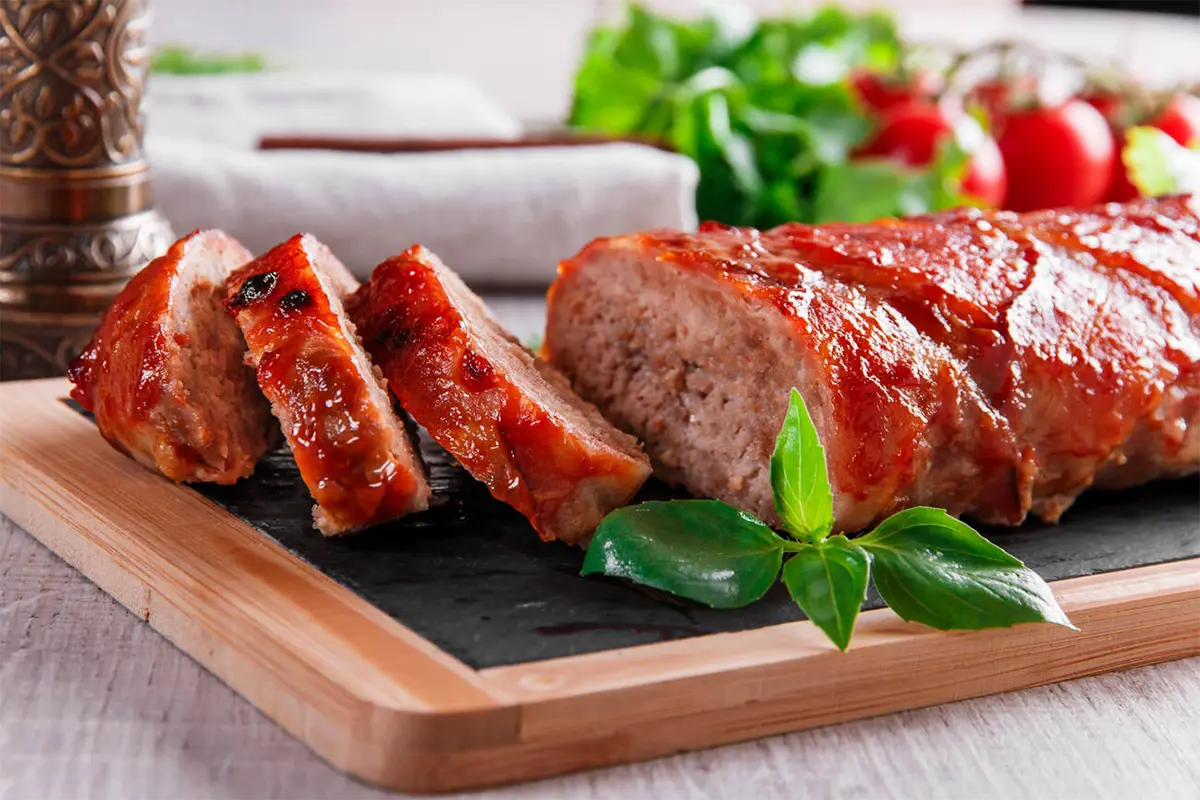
(357, 144)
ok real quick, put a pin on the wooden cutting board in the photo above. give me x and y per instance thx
(454, 650)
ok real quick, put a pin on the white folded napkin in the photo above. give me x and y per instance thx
(498, 217)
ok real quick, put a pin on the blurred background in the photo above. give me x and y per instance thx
(523, 53)
(758, 112)
(507, 134)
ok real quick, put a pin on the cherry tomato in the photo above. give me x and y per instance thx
(911, 134)
(997, 95)
(1179, 119)
(986, 178)
(1121, 188)
(1107, 103)
(879, 93)
(1056, 156)
(1114, 94)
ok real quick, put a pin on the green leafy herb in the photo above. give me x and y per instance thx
(861, 191)
(703, 550)
(933, 569)
(175, 60)
(765, 109)
(829, 583)
(799, 477)
(1159, 165)
(928, 566)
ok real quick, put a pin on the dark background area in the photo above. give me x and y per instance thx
(1184, 7)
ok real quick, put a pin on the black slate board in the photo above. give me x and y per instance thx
(471, 576)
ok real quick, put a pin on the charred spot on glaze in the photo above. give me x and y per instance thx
(294, 300)
(254, 288)
(477, 372)
(393, 338)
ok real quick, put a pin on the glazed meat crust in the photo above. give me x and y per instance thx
(510, 419)
(351, 448)
(164, 376)
(986, 362)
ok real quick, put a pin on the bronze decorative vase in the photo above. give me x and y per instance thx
(75, 214)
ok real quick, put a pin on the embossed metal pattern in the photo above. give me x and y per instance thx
(76, 219)
(39, 347)
(73, 74)
(81, 253)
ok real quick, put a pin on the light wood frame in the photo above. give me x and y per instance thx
(380, 702)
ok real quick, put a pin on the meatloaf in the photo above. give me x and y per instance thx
(986, 362)
(352, 449)
(508, 417)
(164, 374)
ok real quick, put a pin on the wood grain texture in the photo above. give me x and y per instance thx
(327, 666)
(95, 704)
(383, 704)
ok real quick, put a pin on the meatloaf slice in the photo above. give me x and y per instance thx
(508, 417)
(353, 451)
(164, 374)
(990, 363)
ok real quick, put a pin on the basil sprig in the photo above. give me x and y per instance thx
(799, 477)
(928, 566)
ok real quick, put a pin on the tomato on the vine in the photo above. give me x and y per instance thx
(1112, 93)
(1109, 104)
(1179, 119)
(879, 92)
(1056, 156)
(997, 95)
(911, 134)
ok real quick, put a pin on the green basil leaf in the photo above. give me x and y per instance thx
(870, 39)
(829, 583)
(799, 477)
(860, 191)
(934, 569)
(611, 97)
(175, 60)
(649, 44)
(760, 107)
(706, 107)
(778, 203)
(821, 123)
(776, 49)
(870, 189)
(703, 550)
(629, 74)
(1158, 164)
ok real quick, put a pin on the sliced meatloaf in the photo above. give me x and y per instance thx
(164, 374)
(508, 417)
(985, 362)
(353, 451)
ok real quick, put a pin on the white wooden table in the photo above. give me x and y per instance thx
(95, 704)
